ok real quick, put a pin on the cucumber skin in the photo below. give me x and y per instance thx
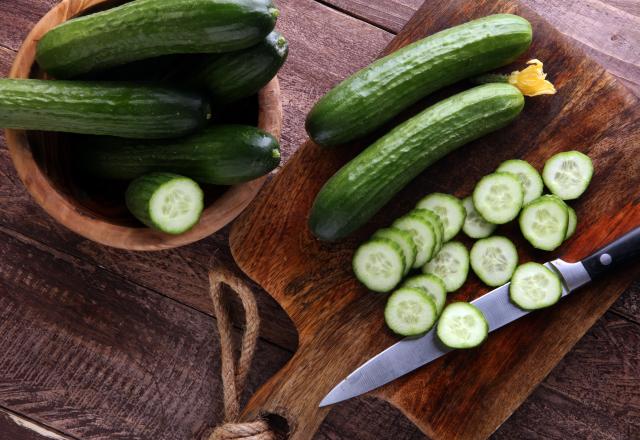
(140, 192)
(364, 185)
(149, 28)
(236, 75)
(219, 155)
(102, 108)
(377, 93)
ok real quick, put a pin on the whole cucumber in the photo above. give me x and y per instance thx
(374, 95)
(365, 184)
(219, 155)
(232, 76)
(150, 28)
(103, 108)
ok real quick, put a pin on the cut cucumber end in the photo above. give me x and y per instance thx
(529, 177)
(494, 259)
(462, 325)
(450, 210)
(410, 312)
(379, 264)
(422, 234)
(436, 223)
(498, 197)
(474, 225)
(534, 286)
(451, 265)
(568, 174)
(544, 222)
(573, 222)
(432, 286)
(404, 240)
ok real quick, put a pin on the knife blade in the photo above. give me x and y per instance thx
(412, 353)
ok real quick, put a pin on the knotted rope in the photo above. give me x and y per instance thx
(234, 375)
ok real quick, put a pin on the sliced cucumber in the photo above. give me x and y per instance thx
(498, 197)
(438, 226)
(379, 264)
(449, 209)
(165, 201)
(568, 174)
(462, 325)
(451, 265)
(544, 222)
(474, 225)
(494, 259)
(405, 241)
(432, 285)
(410, 312)
(533, 286)
(528, 176)
(572, 224)
(422, 234)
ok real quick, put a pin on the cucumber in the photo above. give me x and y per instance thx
(528, 175)
(149, 28)
(164, 201)
(236, 75)
(374, 95)
(113, 109)
(405, 241)
(219, 155)
(451, 265)
(379, 264)
(498, 197)
(436, 224)
(474, 225)
(572, 222)
(364, 185)
(494, 259)
(462, 325)
(432, 286)
(544, 222)
(422, 234)
(449, 209)
(410, 312)
(533, 286)
(568, 174)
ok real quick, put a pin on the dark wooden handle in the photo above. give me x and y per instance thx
(623, 250)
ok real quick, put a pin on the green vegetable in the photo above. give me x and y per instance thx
(410, 312)
(462, 325)
(377, 93)
(533, 286)
(114, 109)
(379, 264)
(364, 185)
(150, 28)
(220, 155)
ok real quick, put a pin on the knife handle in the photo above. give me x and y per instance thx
(620, 251)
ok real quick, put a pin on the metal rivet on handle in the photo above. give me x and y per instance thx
(605, 259)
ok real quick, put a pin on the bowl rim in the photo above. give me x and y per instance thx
(62, 208)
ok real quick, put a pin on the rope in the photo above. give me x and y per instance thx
(234, 375)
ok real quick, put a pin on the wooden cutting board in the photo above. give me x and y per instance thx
(466, 394)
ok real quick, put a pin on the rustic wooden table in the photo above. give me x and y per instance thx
(97, 343)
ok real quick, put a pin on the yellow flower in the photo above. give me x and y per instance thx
(532, 80)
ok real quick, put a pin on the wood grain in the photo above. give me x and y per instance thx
(305, 275)
(16, 427)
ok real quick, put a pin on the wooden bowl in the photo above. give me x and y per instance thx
(43, 166)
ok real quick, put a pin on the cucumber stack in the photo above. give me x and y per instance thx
(162, 137)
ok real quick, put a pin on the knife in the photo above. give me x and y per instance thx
(412, 353)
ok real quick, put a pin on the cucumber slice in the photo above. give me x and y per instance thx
(568, 174)
(544, 222)
(533, 286)
(410, 312)
(435, 221)
(451, 265)
(474, 225)
(432, 285)
(168, 202)
(379, 264)
(529, 177)
(422, 234)
(494, 259)
(462, 325)
(573, 222)
(449, 209)
(404, 240)
(498, 197)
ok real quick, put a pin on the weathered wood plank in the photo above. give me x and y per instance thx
(97, 357)
(16, 427)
